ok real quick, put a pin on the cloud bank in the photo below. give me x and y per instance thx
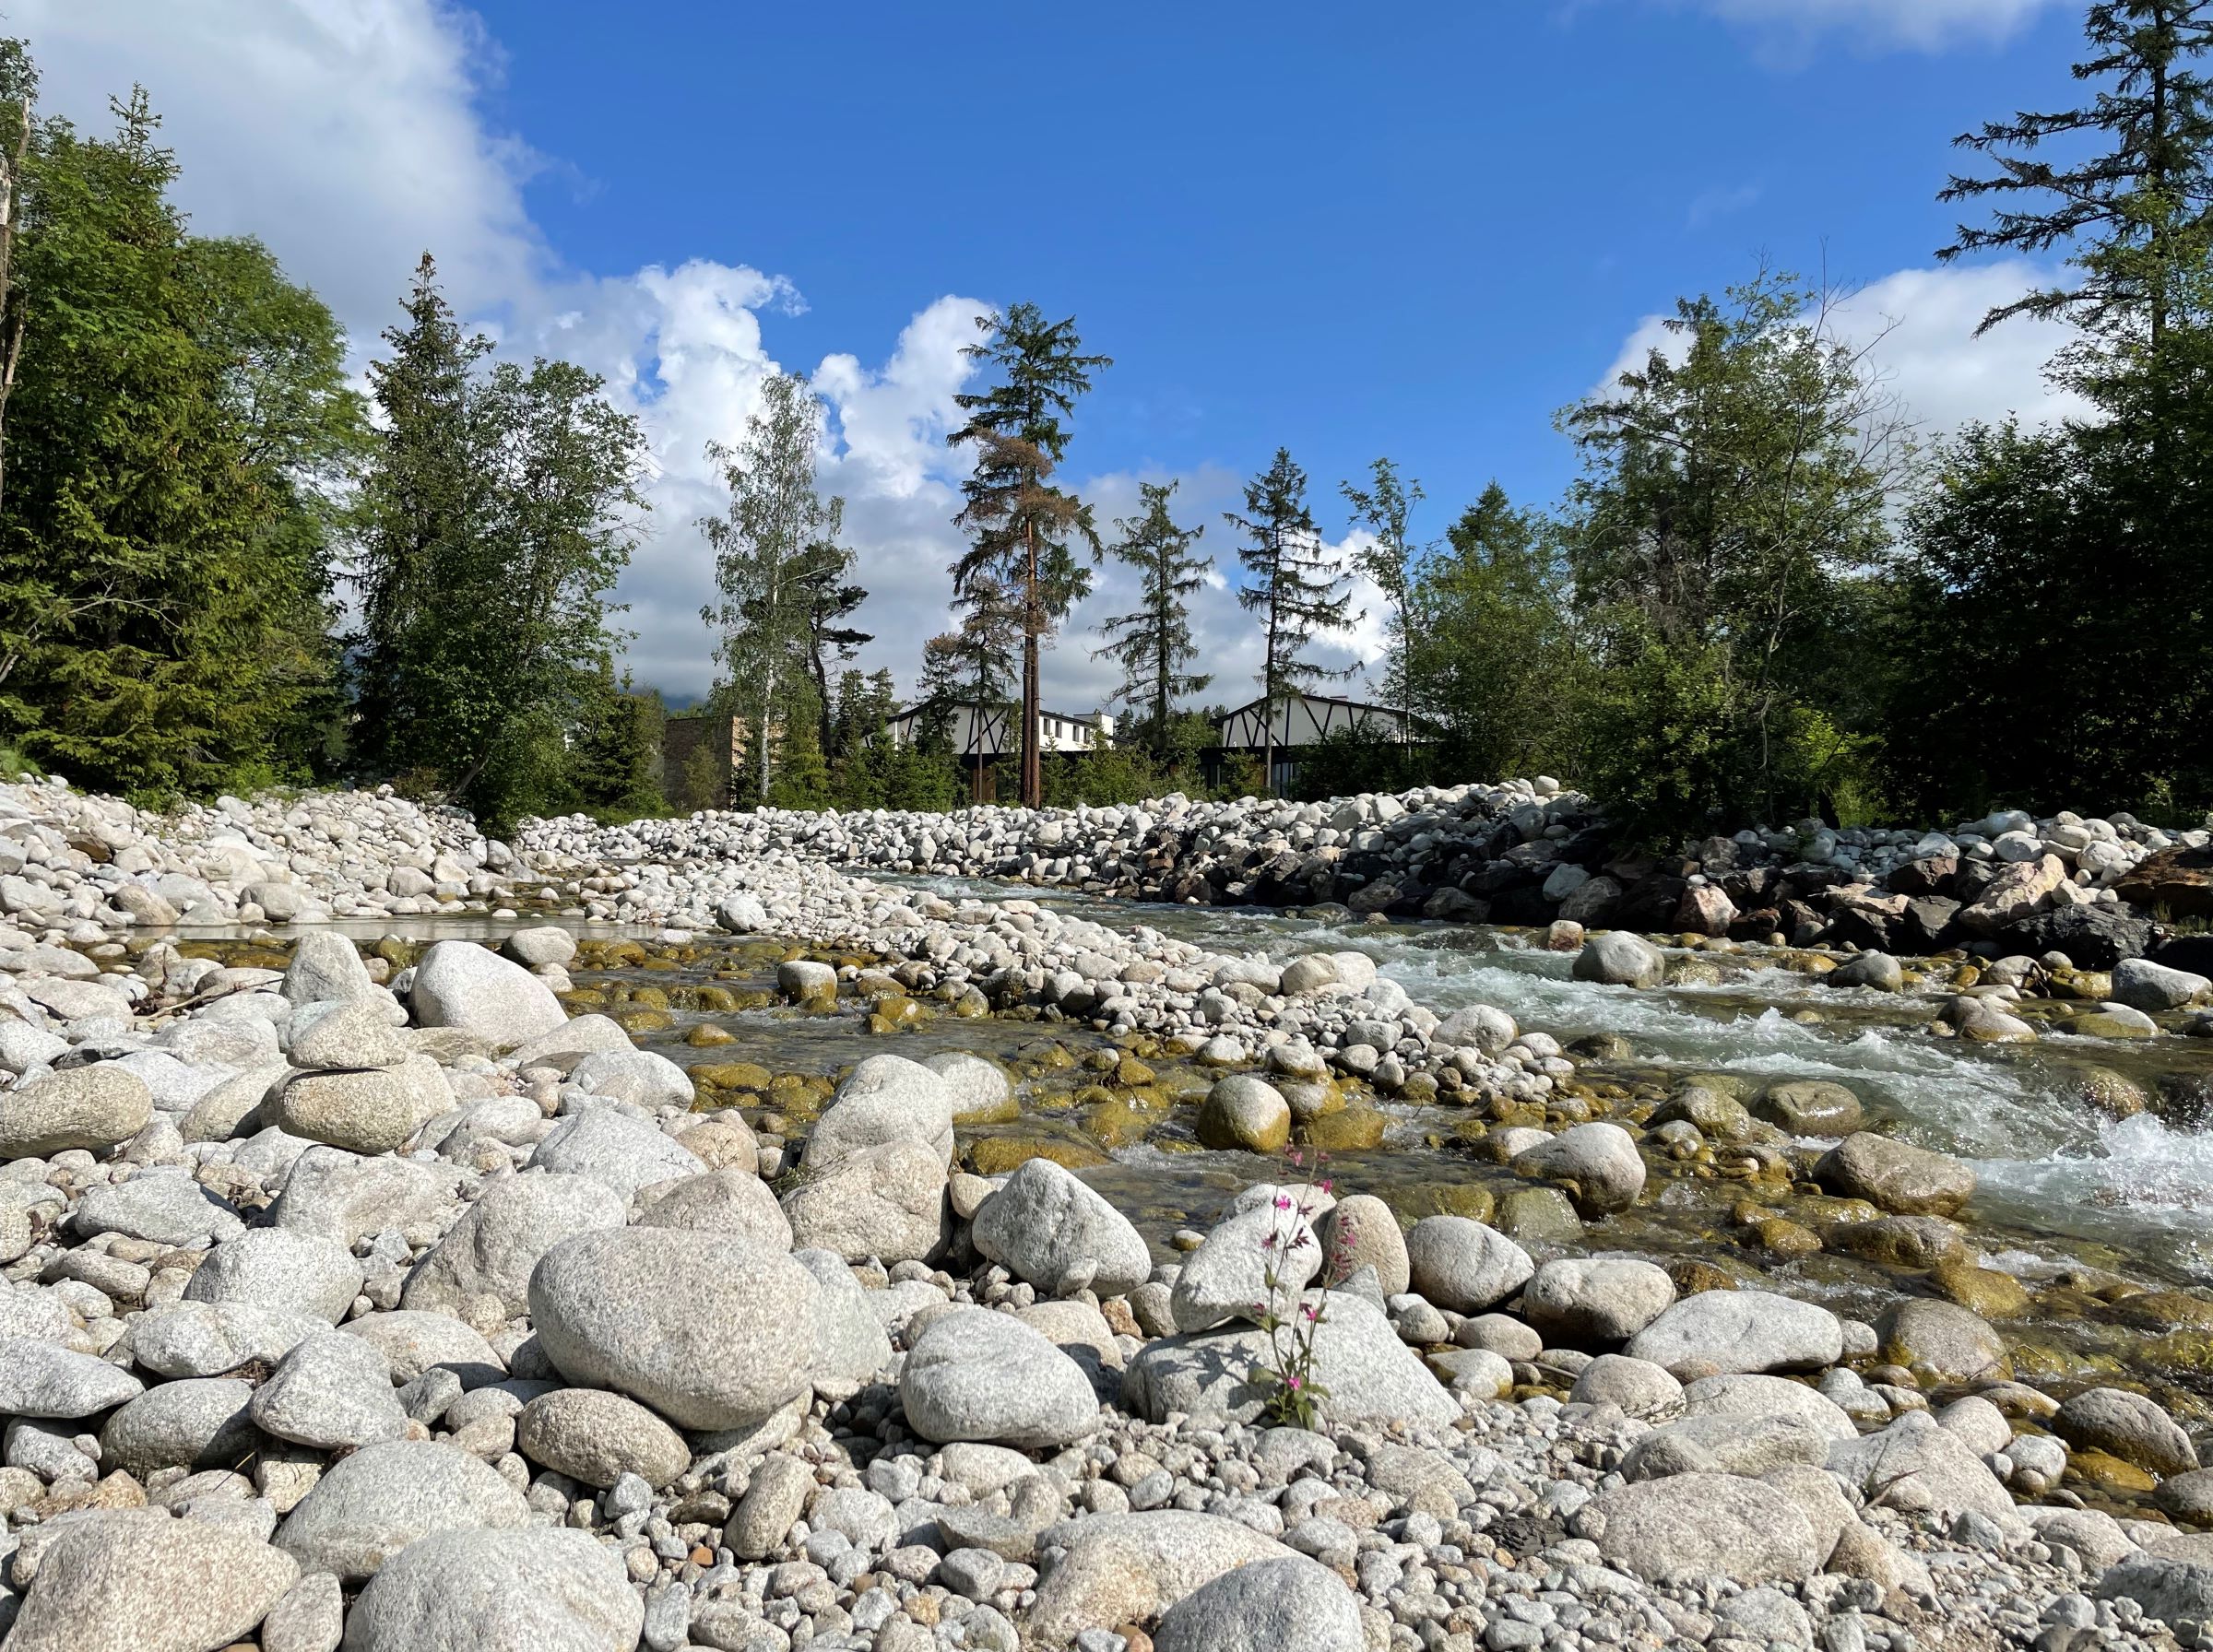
(351, 135)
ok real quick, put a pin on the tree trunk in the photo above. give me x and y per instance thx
(768, 698)
(1160, 678)
(11, 302)
(1268, 702)
(1032, 764)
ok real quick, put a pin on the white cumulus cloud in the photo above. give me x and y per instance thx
(1917, 25)
(349, 135)
(1919, 325)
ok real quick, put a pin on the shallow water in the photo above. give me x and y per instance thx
(2054, 1174)
(2060, 1184)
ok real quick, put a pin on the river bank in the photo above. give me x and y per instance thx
(538, 1175)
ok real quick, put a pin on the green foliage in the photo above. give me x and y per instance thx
(704, 780)
(613, 766)
(178, 420)
(497, 514)
(1023, 527)
(1493, 664)
(2136, 212)
(1384, 508)
(1294, 589)
(974, 665)
(1106, 774)
(778, 569)
(2058, 605)
(1349, 761)
(1242, 776)
(802, 774)
(870, 769)
(1732, 484)
(1153, 643)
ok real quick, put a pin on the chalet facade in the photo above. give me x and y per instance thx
(983, 735)
(1299, 721)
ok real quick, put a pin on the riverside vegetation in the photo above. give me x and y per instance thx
(764, 1237)
(1767, 595)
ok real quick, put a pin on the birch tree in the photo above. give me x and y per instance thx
(769, 564)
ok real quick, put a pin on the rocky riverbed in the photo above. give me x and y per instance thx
(668, 1237)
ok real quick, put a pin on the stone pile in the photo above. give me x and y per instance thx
(399, 1310)
(1524, 853)
(89, 865)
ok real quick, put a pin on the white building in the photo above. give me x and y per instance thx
(982, 735)
(1301, 720)
(990, 731)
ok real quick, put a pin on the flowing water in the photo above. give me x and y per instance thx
(2063, 1189)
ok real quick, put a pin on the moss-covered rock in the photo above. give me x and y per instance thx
(1982, 1291)
(1539, 1216)
(997, 1155)
(733, 1075)
(1348, 1130)
(1693, 1277)
(1471, 1199)
(1784, 1239)
(1244, 1114)
(1115, 1123)
(2115, 1094)
(2103, 1471)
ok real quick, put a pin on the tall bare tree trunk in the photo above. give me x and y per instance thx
(768, 699)
(11, 302)
(1032, 764)
(1268, 704)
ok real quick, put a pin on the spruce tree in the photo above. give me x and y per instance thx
(1022, 526)
(177, 409)
(1153, 642)
(2135, 213)
(1295, 587)
(421, 507)
(2128, 197)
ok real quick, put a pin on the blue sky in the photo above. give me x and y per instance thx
(1417, 235)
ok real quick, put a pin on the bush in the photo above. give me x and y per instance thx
(1351, 760)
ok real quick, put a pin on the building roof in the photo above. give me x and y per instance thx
(1357, 706)
(989, 705)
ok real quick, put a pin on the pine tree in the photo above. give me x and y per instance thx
(1022, 526)
(829, 599)
(178, 406)
(2129, 198)
(421, 510)
(2136, 214)
(498, 514)
(1293, 584)
(776, 551)
(1154, 642)
(1382, 508)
